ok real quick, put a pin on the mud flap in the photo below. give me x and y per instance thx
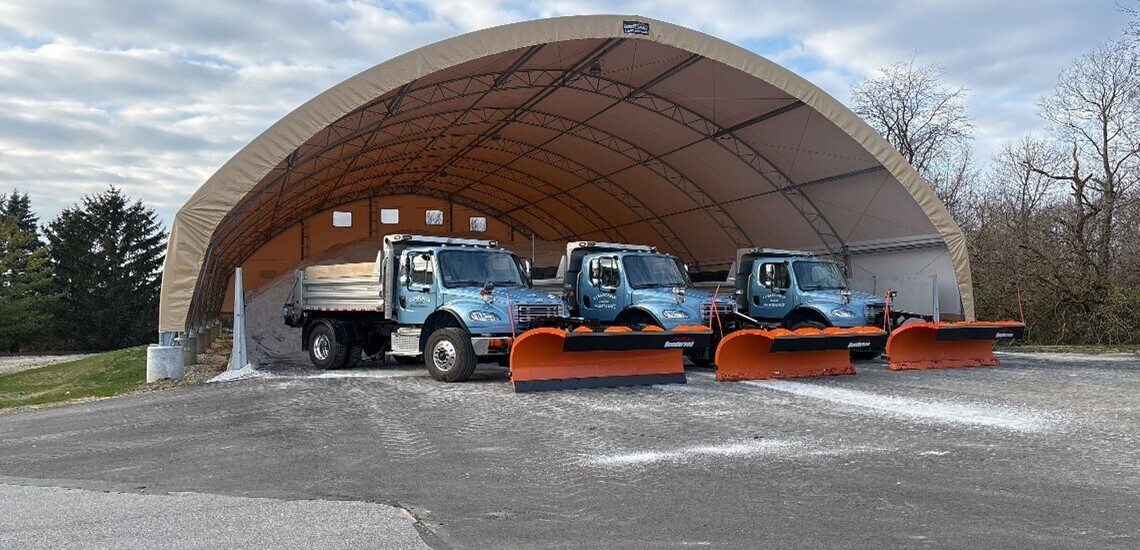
(754, 354)
(545, 359)
(941, 345)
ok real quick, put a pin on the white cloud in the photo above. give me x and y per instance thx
(153, 96)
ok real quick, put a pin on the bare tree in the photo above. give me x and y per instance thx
(1095, 108)
(925, 120)
(1067, 203)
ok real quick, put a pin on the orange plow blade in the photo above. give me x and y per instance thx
(754, 354)
(940, 345)
(544, 359)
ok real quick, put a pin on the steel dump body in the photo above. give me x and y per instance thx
(319, 288)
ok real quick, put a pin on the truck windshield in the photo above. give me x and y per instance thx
(478, 267)
(819, 275)
(653, 271)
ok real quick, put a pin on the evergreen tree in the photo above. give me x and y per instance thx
(25, 278)
(107, 254)
(19, 206)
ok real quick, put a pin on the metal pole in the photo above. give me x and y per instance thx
(934, 283)
(238, 356)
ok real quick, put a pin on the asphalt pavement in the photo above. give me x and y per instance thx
(1041, 452)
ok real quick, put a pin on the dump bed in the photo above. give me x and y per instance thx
(340, 287)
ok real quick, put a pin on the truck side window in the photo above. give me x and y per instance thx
(776, 274)
(422, 270)
(608, 272)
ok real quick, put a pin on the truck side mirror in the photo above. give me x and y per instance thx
(768, 283)
(594, 276)
(528, 265)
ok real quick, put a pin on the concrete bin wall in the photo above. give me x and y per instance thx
(163, 362)
(189, 347)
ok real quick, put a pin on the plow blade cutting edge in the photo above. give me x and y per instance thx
(754, 354)
(545, 359)
(940, 345)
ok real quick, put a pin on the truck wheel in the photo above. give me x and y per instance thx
(865, 355)
(808, 324)
(701, 358)
(352, 357)
(449, 356)
(324, 351)
(636, 320)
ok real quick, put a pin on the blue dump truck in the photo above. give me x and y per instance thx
(794, 290)
(451, 302)
(637, 286)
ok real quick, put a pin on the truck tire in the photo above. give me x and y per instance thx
(449, 356)
(636, 319)
(701, 358)
(808, 324)
(352, 357)
(324, 351)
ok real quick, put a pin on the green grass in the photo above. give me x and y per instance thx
(100, 375)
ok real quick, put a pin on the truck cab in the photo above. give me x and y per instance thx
(637, 286)
(634, 284)
(796, 289)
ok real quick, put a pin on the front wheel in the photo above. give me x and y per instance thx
(808, 324)
(449, 355)
(865, 355)
(701, 358)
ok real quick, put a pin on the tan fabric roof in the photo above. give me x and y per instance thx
(567, 128)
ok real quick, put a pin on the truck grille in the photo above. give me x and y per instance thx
(721, 309)
(874, 314)
(526, 313)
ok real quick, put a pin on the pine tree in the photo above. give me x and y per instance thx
(25, 278)
(19, 206)
(107, 254)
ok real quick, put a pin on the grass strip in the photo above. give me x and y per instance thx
(101, 375)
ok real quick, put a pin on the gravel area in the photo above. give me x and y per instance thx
(17, 363)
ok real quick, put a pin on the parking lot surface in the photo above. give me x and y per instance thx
(1041, 452)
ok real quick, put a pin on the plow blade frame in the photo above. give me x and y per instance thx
(620, 340)
(547, 359)
(945, 345)
(754, 354)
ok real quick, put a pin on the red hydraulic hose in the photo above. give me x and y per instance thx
(1020, 309)
(715, 311)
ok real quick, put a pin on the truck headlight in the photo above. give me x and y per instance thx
(675, 314)
(483, 316)
(843, 313)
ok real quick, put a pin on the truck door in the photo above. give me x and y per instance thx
(599, 287)
(415, 296)
(769, 291)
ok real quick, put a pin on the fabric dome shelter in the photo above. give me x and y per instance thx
(615, 128)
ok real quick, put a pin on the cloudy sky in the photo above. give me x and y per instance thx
(153, 96)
